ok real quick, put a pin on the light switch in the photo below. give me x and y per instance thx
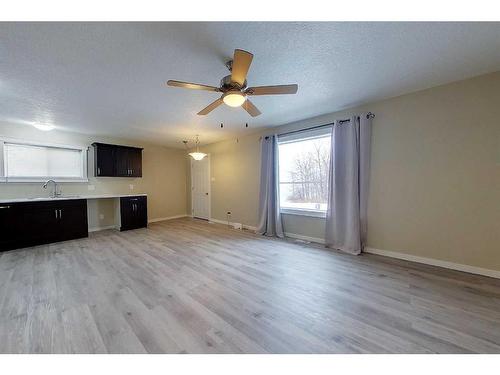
(91, 187)
(212, 179)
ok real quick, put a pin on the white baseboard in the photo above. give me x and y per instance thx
(166, 218)
(97, 229)
(412, 258)
(247, 227)
(435, 262)
(305, 238)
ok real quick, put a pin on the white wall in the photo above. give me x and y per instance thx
(435, 174)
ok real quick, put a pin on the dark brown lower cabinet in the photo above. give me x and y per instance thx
(133, 212)
(35, 223)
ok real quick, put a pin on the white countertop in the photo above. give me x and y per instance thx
(68, 197)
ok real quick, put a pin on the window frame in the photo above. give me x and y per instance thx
(302, 135)
(30, 179)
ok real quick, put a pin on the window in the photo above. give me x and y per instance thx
(30, 162)
(304, 160)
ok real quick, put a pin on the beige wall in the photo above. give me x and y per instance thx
(164, 176)
(435, 175)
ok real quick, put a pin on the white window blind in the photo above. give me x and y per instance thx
(31, 162)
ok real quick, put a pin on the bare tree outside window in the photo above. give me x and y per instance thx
(304, 166)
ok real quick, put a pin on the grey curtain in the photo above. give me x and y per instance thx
(269, 216)
(346, 224)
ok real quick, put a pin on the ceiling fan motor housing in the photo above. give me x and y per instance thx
(226, 84)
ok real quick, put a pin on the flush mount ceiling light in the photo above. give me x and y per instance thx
(234, 86)
(44, 127)
(197, 155)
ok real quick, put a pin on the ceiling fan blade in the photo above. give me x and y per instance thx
(209, 108)
(194, 86)
(241, 64)
(251, 109)
(272, 90)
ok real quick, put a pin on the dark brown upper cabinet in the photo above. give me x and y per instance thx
(117, 161)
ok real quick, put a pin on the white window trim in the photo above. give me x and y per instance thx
(298, 136)
(303, 212)
(3, 162)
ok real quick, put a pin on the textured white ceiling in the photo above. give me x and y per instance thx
(109, 78)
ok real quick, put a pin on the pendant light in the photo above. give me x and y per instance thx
(197, 155)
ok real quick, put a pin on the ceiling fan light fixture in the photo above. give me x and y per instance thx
(234, 98)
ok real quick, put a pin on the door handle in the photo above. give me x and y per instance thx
(206, 193)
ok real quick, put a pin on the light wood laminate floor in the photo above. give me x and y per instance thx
(186, 286)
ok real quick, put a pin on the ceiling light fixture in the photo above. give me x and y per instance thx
(234, 98)
(197, 155)
(44, 127)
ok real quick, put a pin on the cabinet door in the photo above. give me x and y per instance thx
(104, 162)
(122, 162)
(141, 212)
(135, 162)
(10, 223)
(72, 220)
(41, 222)
(133, 213)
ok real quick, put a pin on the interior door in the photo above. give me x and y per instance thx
(200, 188)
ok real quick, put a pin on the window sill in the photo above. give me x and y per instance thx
(309, 213)
(38, 180)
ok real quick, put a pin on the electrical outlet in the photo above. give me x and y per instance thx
(101, 217)
(91, 187)
(131, 187)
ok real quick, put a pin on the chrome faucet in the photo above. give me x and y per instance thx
(55, 193)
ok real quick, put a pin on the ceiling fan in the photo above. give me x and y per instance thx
(234, 86)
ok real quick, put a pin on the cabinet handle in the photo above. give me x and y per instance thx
(4, 206)
(60, 214)
(55, 213)
(98, 170)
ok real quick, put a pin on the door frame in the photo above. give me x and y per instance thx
(209, 188)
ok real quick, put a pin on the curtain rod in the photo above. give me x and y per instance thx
(368, 115)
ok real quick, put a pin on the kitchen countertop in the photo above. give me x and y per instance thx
(68, 197)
